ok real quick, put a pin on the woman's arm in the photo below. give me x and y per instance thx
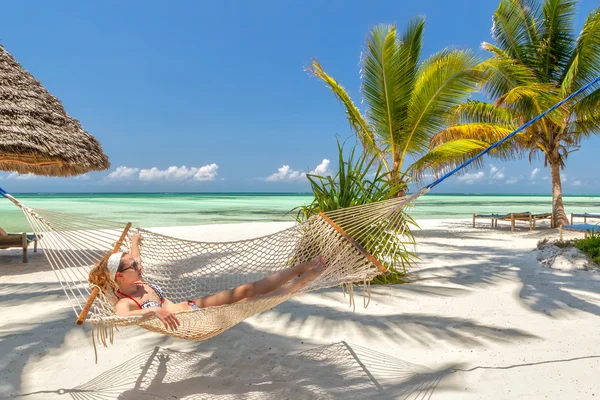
(136, 239)
(123, 309)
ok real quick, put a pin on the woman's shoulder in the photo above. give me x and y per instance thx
(126, 302)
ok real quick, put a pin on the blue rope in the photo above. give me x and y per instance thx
(3, 192)
(498, 143)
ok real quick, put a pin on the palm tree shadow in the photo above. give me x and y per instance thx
(335, 371)
(546, 291)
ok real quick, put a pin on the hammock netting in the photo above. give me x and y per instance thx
(187, 269)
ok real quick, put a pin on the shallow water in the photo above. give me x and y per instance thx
(180, 209)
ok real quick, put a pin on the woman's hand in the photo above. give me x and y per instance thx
(168, 318)
(137, 238)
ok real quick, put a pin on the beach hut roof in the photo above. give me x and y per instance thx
(36, 134)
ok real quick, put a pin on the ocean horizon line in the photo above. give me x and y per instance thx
(290, 193)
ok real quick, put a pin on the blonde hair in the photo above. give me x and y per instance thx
(100, 275)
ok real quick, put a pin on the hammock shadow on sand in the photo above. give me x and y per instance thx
(336, 371)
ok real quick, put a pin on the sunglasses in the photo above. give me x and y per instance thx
(134, 265)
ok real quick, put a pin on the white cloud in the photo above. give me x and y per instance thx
(545, 178)
(173, 173)
(122, 173)
(496, 173)
(16, 175)
(206, 173)
(322, 169)
(512, 180)
(577, 183)
(183, 173)
(470, 178)
(563, 177)
(534, 173)
(83, 177)
(285, 173)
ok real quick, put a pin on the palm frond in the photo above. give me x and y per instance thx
(479, 111)
(487, 132)
(500, 74)
(533, 99)
(557, 42)
(382, 81)
(358, 123)
(515, 31)
(584, 64)
(586, 116)
(444, 81)
(446, 157)
(542, 93)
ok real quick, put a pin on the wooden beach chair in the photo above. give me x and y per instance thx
(538, 217)
(514, 217)
(585, 228)
(18, 240)
(585, 217)
(493, 217)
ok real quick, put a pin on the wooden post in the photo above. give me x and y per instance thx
(561, 233)
(512, 223)
(585, 219)
(473, 220)
(24, 242)
(571, 218)
(356, 244)
(95, 291)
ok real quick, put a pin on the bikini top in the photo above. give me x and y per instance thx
(148, 303)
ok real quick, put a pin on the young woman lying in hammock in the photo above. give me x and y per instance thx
(123, 273)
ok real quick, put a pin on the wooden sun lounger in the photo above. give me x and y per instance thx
(493, 217)
(514, 217)
(585, 217)
(18, 240)
(537, 217)
(579, 228)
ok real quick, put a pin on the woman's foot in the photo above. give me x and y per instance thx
(318, 266)
(307, 266)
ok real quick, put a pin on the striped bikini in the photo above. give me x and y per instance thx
(150, 303)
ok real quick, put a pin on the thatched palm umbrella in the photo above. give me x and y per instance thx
(36, 134)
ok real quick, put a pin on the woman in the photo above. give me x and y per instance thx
(122, 272)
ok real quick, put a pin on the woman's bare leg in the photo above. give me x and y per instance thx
(299, 282)
(257, 288)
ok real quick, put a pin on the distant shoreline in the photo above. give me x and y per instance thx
(287, 194)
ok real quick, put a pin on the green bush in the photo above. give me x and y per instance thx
(358, 181)
(590, 246)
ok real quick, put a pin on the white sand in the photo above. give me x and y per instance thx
(482, 320)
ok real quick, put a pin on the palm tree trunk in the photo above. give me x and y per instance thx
(558, 209)
(396, 178)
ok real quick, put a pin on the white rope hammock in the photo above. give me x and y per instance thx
(188, 269)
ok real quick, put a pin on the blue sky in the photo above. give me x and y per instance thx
(212, 96)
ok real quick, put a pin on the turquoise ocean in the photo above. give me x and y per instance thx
(179, 209)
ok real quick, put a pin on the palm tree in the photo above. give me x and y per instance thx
(536, 61)
(407, 100)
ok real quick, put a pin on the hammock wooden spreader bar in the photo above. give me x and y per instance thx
(360, 248)
(95, 291)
